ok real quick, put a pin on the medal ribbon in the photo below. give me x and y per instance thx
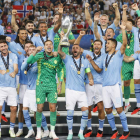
(47, 58)
(103, 34)
(78, 68)
(30, 37)
(5, 64)
(21, 45)
(107, 63)
(95, 57)
(43, 39)
(128, 39)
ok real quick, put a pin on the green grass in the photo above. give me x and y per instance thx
(131, 87)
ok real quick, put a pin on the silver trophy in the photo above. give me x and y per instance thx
(66, 28)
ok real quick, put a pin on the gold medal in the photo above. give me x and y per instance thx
(105, 69)
(25, 72)
(7, 70)
(128, 47)
(78, 72)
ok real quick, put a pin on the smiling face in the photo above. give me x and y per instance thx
(104, 20)
(31, 50)
(4, 48)
(22, 35)
(48, 46)
(97, 47)
(76, 50)
(138, 23)
(43, 29)
(109, 33)
(110, 45)
(30, 27)
(26, 48)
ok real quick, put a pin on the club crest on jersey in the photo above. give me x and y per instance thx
(10, 60)
(82, 65)
(55, 61)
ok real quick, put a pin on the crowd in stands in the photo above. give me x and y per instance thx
(44, 10)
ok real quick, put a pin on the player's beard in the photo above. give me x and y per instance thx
(75, 55)
(4, 52)
(30, 32)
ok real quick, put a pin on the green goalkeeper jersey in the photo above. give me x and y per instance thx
(46, 69)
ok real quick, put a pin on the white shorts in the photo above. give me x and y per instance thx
(73, 96)
(22, 91)
(29, 100)
(9, 95)
(17, 81)
(94, 93)
(112, 95)
(136, 71)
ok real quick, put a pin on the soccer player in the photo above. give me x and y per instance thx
(136, 71)
(94, 93)
(8, 71)
(76, 67)
(17, 47)
(103, 20)
(29, 25)
(127, 68)
(46, 84)
(29, 100)
(112, 94)
(45, 34)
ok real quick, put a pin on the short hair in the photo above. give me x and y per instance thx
(29, 21)
(48, 41)
(111, 29)
(3, 41)
(32, 46)
(28, 41)
(42, 22)
(104, 15)
(131, 20)
(114, 41)
(98, 40)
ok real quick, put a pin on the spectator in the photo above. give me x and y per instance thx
(37, 13)
(42, 17)
(45, 7)
(68, 2)
(36, 22)
(106, 6)
(84, 1)
(83, 22)
(79, 26)
(26, 2)
(17, 2)
(8, 28)
(9, 17)
(31, 16)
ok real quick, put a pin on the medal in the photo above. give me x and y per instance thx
(7, 70)
(128, 47)
(78, 68)
(6, 64)
(78, 72)
(128, 40)
(105, 69)
(25, 72)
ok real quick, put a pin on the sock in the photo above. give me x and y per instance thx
(27, 119)
(3, 108)
(101, 123)
(137, 94)
(124, 121)
(39, 129)
(111, 121)
(52, 120)
(12, 125)
(44, 123)
(70, 120)
(89, 124)
(126, 95)
(38, 119)
(84, 120)
(20, 125)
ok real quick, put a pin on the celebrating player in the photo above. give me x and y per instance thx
(46, 84)
(75, 88)
(111, 63)
(8, 71)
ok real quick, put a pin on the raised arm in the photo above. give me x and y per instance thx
(87, 14)
(57, 26)
(123, 47)
(13, 21)
(124, 17)
(95, 30)
(128, 58)
(135, 7)
(93, 63)
(117, 14)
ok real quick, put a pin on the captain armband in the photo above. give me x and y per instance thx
(87, 70)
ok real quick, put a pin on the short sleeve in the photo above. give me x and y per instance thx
(134, 30)
(51, 33)
(85, 52)
(66, 59)
(33, 40)
(135, 56)
(101, 62)
(15, 58)
(113, 26)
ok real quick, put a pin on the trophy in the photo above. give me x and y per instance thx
(66, 28)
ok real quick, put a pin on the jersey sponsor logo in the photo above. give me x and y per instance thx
(38, 99)
(55, 61)
(49, 66)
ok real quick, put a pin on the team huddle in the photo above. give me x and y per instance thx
(33, 62)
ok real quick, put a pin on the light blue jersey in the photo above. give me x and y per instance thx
(97, 77)
(74, 80)
(135, 31)
(38, 42)
(113, 74)
(1, 30)
(104, 43)
(104, 31)
(136, 56)
(23, 77)
(6, 80)
(31, 74)
(15, 48)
